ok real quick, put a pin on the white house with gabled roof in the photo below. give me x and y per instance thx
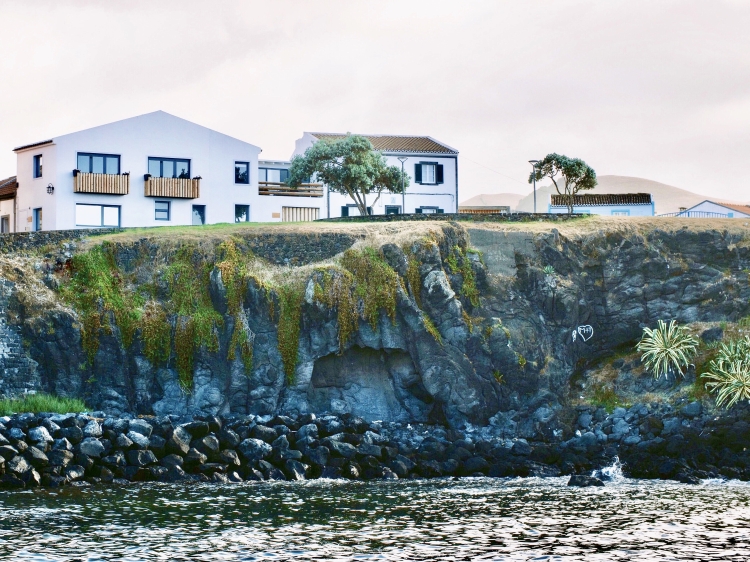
(715, 209)
(152, 170)
(432, 167)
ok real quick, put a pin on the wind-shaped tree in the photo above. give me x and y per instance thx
(575, 174)
(349, 166)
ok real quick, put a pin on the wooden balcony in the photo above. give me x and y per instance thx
(105, 184)
(304, 189)
(172, 187)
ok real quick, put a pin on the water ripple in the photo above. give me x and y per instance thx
(471, 519)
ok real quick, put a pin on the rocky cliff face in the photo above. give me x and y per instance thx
(485, 324)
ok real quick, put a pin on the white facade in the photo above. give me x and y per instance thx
(428, 196)
(207, 154)
(710, 209)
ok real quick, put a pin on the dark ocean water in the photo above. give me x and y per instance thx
(469, 519)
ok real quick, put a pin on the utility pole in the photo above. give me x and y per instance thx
(533, 165)
(403, 189)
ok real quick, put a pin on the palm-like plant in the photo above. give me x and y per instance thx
(729, 373)
(667, 348)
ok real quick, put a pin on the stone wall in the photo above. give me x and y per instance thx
(463, 217)
(18, 372)
(20, 242)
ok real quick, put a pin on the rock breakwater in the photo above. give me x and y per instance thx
(79, 450)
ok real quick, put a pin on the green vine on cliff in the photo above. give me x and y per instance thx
(197, 321)
(290, 314)
(376, 283)
(156, 334)
(234, 277)
(413, 276)
(97, 288)
(459, 263)
(336, 290)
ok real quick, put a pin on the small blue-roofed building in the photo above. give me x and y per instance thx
(608, 204)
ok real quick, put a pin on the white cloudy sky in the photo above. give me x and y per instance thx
(655, 88)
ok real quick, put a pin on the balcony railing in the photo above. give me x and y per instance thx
(172, 187)
(696, 215)
(277, 188)
(106, 184)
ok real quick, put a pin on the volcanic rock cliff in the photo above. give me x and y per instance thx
(441, 322)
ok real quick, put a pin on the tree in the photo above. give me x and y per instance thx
(576, 174)
(349, 166)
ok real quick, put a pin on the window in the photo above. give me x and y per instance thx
(393, 209)
(274, 175)
(351, 210)
(241, 172)
(169, 168)
(199, 214)
(242, 213)
(37, 220)
(5, 224)
(89, 163)
(621, 213)
(38, 166)
(428, 210)
(97, 215)
(428, 172)
(161, 210)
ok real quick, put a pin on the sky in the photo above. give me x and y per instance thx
(653, 89)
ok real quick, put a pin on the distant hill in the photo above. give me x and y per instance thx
(493, 200)
(667, 198)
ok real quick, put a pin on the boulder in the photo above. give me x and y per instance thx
(294, 470)
(40, 435)
(208, 445)
(141, 427)
(318, 456)
(179, 441)
(172, 460)
(267, 434)
(75, 472)
(36, 457)
(583, 481)
(59, 457)
(17, 465)
(91, 447)
(254, 449)
(140, 458)
(228, 438)
(139, 441)
(197, 429)
(92, 429)
(73, 434)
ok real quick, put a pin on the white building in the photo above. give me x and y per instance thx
(431, 165)
(8, 189)
(151, 170)
(609, 204)
(714, 209)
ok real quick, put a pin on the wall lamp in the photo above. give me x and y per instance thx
(50, 188)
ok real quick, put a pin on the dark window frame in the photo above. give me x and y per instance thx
(38, 165)
(105, 156)
(247, 206)
(101, 225)
(157, 211)
(439, 173)
(247, 182)
(203, 207)
(282, 179)
(173, 160)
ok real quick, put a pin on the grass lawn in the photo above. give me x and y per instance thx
(37, 403)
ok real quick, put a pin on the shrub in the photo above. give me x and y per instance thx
(37, 403)
(667, 348)
(728, 375)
